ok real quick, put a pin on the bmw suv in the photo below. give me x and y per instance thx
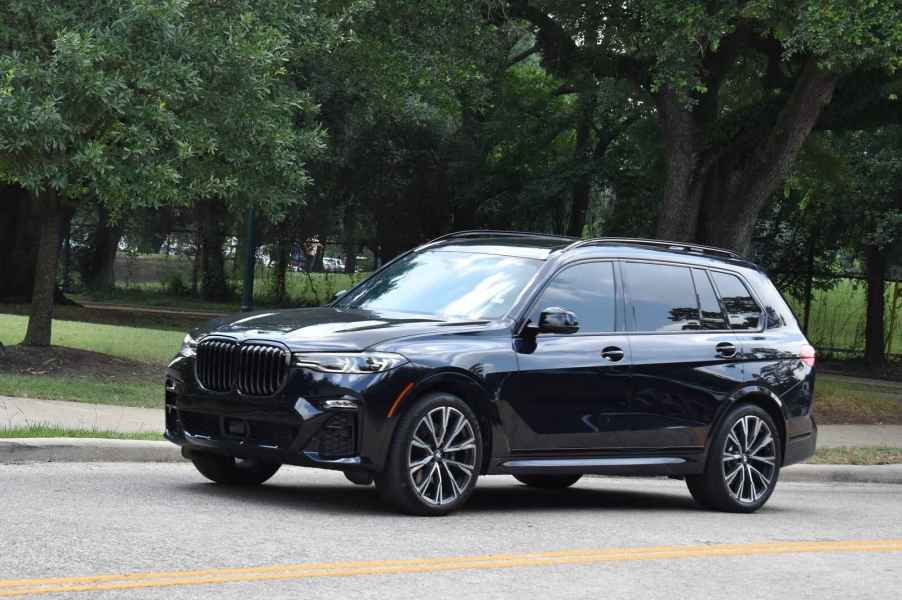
(500, 353)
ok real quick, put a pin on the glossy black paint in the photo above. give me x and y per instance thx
(616, 402)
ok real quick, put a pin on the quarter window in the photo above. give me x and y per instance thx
(586, 289)
(742, 310)
(662, 297)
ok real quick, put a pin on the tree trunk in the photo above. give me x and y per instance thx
(582, 187)
(212, 216)
(349, 233)
(715, 197)
(101, 265)
(874, 334)
(40, 320)
(678, 215)
(280, 262)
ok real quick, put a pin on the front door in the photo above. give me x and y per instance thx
(570, 388)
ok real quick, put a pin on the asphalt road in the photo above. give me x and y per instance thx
(159, 531)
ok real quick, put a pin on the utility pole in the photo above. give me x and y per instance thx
(250, 260)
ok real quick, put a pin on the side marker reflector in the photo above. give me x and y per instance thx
(397, 402)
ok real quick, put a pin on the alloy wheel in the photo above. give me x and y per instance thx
(749, 459)
(441, 457)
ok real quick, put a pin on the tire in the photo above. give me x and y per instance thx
(228, 470)
(421, 476)
(740, 454)
(548, 482)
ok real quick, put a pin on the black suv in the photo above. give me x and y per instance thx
(484, 353)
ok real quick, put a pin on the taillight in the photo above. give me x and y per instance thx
(807, 354)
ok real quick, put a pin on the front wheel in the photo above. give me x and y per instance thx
(233, 471)
(434, 459)
(743, 463)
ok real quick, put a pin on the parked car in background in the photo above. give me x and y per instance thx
(498, 353)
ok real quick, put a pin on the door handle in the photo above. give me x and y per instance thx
(612, 353)
(725, 349)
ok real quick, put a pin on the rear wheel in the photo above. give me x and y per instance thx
(434, 459)
(743, 463)
(234, 471)
(548, 482)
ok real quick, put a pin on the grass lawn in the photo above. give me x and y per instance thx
(857, 456)
(74, 389)
(153, 346)
(44, 431)
(840, 401)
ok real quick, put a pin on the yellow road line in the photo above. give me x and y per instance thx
(23, 587)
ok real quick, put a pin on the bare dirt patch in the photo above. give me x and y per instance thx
(72, 362)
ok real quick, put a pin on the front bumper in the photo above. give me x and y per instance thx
(300, 425)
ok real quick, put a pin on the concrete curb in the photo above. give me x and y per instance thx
(29, 450)
(843, 473)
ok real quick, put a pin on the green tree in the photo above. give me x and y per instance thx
(737, 86)
(144, 103)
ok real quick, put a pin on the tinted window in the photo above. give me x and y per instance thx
(446, 285)
(588, 290)
(662, 297)
(712, 313)
(742, 311)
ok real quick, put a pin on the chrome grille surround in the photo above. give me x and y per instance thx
(251, 368)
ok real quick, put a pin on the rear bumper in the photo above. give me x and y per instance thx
(801, 447)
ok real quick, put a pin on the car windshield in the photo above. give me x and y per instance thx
(446, 285)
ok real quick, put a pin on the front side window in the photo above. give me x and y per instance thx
(661, 297)
(586, 289)
(742, 310)
(446, 285)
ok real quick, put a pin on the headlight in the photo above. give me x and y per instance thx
(362, 362)
(189, 346)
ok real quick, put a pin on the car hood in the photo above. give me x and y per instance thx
(328, 329)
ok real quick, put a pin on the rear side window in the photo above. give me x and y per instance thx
(712, 313)
(586, 289)
(742, 310)
(661, 297)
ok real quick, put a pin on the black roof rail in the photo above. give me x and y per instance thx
(470, 233)
(661, 244)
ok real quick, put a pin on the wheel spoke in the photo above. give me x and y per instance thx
(431, 426)
(764, 443)
(752, 488)
(419, 464)
(455, 487)
(461, 424)
(727, 457)
(421, 489)
(732, 476)
(446, 415)
(768, 460)
(764, 480)
(418, 443)
(439, 492)
(735, 440)
(758, 424)
(462, 466)
(468, 445)
(745, 433)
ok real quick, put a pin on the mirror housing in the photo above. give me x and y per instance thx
(555, 319)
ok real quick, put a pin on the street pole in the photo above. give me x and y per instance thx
(250, 260)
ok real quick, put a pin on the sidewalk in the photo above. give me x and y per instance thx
(21, 412)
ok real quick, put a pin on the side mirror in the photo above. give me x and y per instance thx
(337, 295)
(557, 320)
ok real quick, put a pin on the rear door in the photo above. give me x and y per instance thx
(684, 355)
